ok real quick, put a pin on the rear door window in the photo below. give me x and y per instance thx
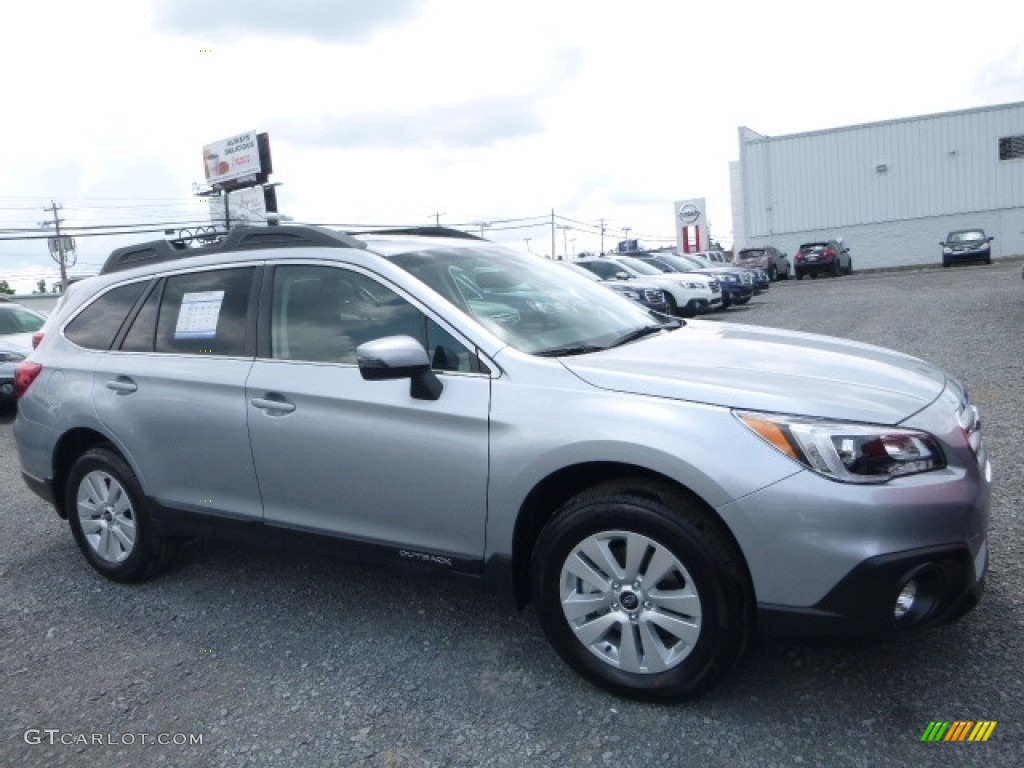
(202, 313)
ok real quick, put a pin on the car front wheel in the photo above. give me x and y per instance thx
(641, 592)
(106, 511)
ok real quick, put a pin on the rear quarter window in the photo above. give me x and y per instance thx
(97, 325)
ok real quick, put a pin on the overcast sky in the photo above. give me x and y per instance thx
(407, 111)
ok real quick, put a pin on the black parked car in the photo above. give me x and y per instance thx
(827, 257)
(966, 245)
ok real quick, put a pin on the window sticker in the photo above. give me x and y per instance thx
(197, 318)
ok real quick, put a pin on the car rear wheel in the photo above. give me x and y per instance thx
(108, 518)
(641, 592)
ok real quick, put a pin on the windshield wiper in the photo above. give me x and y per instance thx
(579, 349)
(639, 333)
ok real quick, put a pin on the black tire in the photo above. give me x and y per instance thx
(673, 308)
(108, 517)
(945, 263)
(773, 275)
(799, 275)
(836, 268)
(849, 267)
(677, 635)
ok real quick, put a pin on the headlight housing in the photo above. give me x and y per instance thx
(847, 452)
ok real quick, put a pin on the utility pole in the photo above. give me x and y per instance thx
(437, 218)
(603, 227)
(60, 255)
(565, 241)
(625, 235)
(553, 247)
(527, 240)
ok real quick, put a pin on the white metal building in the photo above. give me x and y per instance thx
(891, 190)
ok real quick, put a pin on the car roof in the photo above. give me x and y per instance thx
(250, 238)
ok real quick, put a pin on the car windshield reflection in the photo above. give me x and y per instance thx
(529, 302)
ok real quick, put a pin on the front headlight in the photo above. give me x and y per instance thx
(847, 452)
(947, 250)
(691, 285)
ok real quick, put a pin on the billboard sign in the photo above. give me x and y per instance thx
(244, 206)
(233, 162)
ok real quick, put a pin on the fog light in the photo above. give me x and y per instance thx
(905, 600)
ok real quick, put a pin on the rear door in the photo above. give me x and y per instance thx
(172, 392)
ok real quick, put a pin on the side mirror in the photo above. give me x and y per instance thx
(622, 275)
(399, 357)
(991, 238)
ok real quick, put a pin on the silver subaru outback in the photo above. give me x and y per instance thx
(661, 490)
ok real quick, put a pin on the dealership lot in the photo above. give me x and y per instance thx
(291, 660)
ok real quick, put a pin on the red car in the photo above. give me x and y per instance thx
(828, 257)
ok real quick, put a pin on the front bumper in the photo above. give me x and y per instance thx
(974, 254)
(860, 607)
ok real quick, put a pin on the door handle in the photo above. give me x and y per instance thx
(122, 385)
(266, 404)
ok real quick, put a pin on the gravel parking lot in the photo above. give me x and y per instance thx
(287, 660)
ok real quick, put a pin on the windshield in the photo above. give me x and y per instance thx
(16, 319)
(638, 265)
(682, 263)
(751, 254)
(529, 302)
(967, 236)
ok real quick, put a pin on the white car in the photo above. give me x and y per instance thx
(688, 294)
(17, 324)
(713, 258)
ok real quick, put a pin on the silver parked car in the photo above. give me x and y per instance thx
(450, 405)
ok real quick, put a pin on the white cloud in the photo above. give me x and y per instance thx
(396, 110)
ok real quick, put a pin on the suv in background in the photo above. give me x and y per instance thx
(767, 258)
(658, 489)
(824, 257)
(966, 245)
(734, 289)
(645, 294)
(688, 295)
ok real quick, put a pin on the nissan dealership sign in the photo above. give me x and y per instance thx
(691, 225)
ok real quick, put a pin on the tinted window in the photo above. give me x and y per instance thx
(205, 313)
(96, 326)
(321, 314)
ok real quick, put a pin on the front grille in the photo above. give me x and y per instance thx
(654, 296)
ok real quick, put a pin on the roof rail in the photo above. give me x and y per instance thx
(420, 231)
(241, 238)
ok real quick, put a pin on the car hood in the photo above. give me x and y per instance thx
(744, 366)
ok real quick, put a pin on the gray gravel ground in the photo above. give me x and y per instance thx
(288, 660)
